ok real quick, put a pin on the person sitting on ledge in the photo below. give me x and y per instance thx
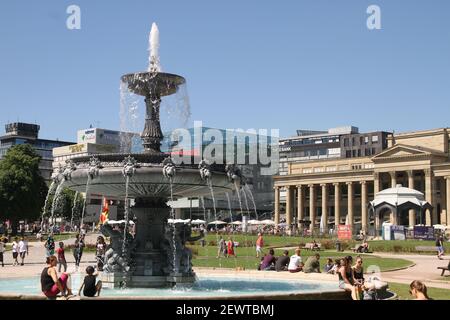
(51, 285)
(312, 264)
(295, 263)
(282, 262)
(90, 287)
(268, 262)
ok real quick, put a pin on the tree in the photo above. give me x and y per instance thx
(64, 205)
(22, 188)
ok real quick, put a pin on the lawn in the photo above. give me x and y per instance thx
(246, 258)
(395, 246)
(402, 290)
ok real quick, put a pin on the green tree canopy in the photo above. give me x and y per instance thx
(22, 188)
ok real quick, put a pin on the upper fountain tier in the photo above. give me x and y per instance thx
(153, 84)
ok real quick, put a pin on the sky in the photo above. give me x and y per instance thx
(287, 65)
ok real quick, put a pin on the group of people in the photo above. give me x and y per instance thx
(226, 249)
(52, 285)
(19, 249)
(292, 263)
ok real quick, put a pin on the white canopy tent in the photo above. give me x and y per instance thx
(198, 221)
(236, 223)
(268, 222)
(217, 222)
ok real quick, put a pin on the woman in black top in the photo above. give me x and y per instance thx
(51, 285)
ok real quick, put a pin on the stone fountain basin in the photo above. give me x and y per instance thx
(143, 83)
(147, 182)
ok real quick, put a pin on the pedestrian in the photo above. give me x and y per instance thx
(50, 245)
(23, 249)
(15, 251)
(61, 257)
(100, 252)
(230, 248)
(90, 287)
(2, 250)
(440, 247)
(259, 245)
(221, 248)
(78, 249)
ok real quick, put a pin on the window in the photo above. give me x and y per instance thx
(374, 139)
(361, 140)
(353, 153)
(348, 154)
(366, 140)
(353, 141)
(374, 151)
(359, 152)
(346, 142)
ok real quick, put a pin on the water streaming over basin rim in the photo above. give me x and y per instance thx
(206, 286)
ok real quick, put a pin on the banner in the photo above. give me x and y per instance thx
(424, 233)
(399, 232)
(344, 232)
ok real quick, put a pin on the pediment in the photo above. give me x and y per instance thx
(402, 151)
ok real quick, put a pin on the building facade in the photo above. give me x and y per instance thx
(25, 133)
(340, 189)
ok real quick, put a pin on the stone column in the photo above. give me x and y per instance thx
(412, 212)
(312, 206)
(277, 205)
(350, 204)
(429, 195)
(300, 205)
(364, 213)
(337, 205)
(447, 193)
(443, 201)
(393, 179)
(325, 206)
(376, 183)
(289, 198)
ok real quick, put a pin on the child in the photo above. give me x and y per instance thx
(90, 288)
(334, 269)
(61, 257)
(329, 265)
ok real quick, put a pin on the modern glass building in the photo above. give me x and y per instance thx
(25, 133)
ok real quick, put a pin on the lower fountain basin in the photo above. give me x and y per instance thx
(206, 287)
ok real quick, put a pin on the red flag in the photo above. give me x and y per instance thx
(105, 211)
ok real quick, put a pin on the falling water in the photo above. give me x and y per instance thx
(246, 201)
(229, 207)
(211, 189)
(51, 191)
(129, 118)
(56, 201)
(88, 182)
(236, 187)
(253, 200)
(127, 215)
(174, 240)
(204, 209)
(73, 209)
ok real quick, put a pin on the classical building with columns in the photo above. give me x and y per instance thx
(340, 190)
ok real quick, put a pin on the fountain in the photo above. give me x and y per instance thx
(157, 256)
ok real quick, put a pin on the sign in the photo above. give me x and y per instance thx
(398, 232)
(344, 232)
(423, 232)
